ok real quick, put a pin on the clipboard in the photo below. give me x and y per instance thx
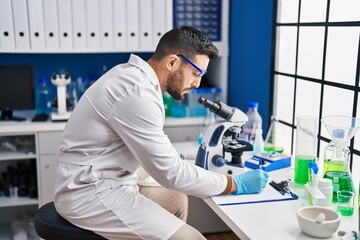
(268, 194)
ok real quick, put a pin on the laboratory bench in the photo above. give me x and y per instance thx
(41, 140)
(269, 219)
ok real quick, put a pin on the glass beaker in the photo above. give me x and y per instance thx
(337, 153)
(306, 145)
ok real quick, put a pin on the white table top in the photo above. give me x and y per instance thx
(271, 220)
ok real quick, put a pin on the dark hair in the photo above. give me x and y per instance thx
(185, 40)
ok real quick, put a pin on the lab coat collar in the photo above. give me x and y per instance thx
(144, 66)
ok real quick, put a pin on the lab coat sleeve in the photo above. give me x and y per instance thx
(138, 119)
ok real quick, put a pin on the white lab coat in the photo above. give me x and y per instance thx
(116, 127)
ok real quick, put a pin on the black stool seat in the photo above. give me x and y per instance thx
(50, 225)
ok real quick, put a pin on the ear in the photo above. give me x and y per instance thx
(172, 62)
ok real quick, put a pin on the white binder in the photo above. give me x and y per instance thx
(36, 24)
(146, 24)
(51, 24)
(106, 24)
(132, 25)
(65, 24)
(159, 14)
(120, 33)
(93, 24)
(21, 24)
(7, 38)
(79, 24)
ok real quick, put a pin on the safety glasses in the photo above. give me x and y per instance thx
(201, 71)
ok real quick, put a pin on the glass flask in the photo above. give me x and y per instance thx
(337, 153)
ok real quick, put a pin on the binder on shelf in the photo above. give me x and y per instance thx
(146, 24)
(51, 24)
(79, 24)
(159, 14)
(36, 24)
(93, 24)
(106, 24)
(65, 24)
(21, 24)
(132, 24)
(7, 38)
(120, 18)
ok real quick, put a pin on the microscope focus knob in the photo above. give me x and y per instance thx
(218, 161)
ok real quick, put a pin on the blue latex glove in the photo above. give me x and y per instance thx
(250, 182)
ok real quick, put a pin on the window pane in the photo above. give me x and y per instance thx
(284, 98)
(288, 11)
(307, 98)
(341, 56)
(311, 45)
(283, 137)
(344, 10)
(286, 46)
(356, 170)
(313, 11)
(357, 135)
(336, 101)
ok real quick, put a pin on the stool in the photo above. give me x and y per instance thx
(50, 225)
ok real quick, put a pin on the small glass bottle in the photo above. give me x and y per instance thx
(43, 95)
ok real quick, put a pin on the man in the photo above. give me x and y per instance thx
(116, 127)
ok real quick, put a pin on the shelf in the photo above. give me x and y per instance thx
(222, 46)
(6, 234)
(17, 201)
(8, 155)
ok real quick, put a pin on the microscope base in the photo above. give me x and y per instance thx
(57, 117)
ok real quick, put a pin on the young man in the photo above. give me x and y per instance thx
(116, 127)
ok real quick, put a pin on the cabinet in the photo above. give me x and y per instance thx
(19, 181)
(47, 142)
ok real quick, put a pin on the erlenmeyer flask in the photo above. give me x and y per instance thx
(271, 141)
(337, 153)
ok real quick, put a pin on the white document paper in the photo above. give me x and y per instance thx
(268, 194)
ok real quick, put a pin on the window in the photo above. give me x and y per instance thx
(316, 67)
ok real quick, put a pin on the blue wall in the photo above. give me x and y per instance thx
(78, 65)
(250, 55)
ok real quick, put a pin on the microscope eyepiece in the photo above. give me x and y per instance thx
(218, 108)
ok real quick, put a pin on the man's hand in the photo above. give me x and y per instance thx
(250, 182)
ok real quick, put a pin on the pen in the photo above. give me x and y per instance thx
(260, 163)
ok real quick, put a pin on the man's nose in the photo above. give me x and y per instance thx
(196, 84)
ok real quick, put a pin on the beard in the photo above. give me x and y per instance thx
(175, 82)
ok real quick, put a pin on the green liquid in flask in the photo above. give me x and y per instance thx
(341, 181)
(302, 169)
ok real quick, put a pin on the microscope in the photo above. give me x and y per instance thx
(221, 140)
(60, 81)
